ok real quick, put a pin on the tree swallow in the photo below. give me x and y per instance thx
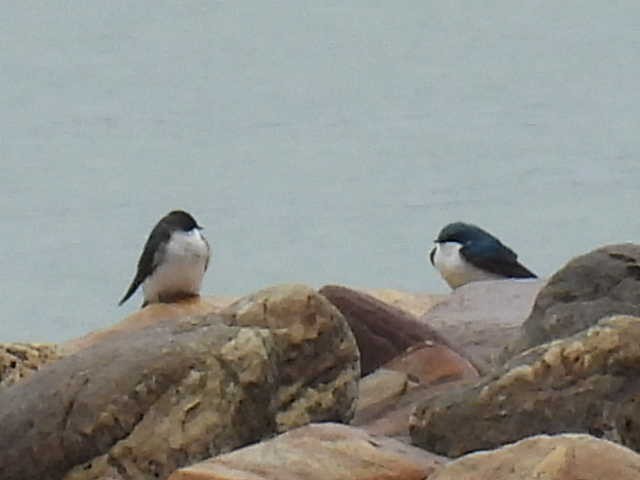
(173, 260)
(465, 253)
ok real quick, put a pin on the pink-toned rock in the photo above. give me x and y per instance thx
(559, 457)
(482, 318)
(429, 364)
(319, 451)
(382, 331)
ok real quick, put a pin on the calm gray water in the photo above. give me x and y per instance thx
(317, 141)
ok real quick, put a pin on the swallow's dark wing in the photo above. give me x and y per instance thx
(206, 265)
(494, 257)
(151, 256)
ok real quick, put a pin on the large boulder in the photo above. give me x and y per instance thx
(139, 403)
(19, 360)
(558, 457)
(318, 452)
(482, 318)
(590, 287)
(382, 331)
(583, 384)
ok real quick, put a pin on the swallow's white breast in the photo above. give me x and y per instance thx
(455, 270)
(181, 267)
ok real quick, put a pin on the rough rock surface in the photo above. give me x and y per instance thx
(322, 452)
(590, 287)
(382, 331)
(559, 457)
(577, 384)
(482, 318)
(140, 403)
(19, 360)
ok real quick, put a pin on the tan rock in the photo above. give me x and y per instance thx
(319, 451)
(414, 303)
(141, 402)
(560, 457)
(19, 360)
(577, 384)
(220, 302)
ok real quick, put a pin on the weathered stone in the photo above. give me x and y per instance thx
(322, 452)
(482, 318)
(559, 457)
(430, 364)
(19, 360)
(601, 283)
(570, 385)
(382, 331)
(139, 403)
(320, 370)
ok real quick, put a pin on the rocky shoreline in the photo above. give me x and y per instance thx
(499, 379)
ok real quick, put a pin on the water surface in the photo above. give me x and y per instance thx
(318, 142)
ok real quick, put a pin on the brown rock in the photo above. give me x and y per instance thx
(382, 331)
(482, 318)
(138, 403)
(19, 360)
(570, 385)
(590, 287)
(560, 457)
(323, 452)
(430, 364)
